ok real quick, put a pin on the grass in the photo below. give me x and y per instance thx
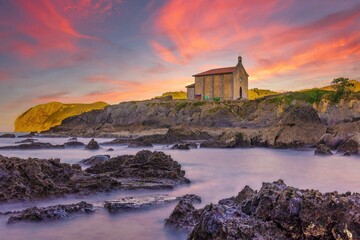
(310, 96)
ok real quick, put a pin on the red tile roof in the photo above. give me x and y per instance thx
(190, 86)
(216, 71)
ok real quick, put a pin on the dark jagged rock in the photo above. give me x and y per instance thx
(8, 135)
(137, 143)
(92, 145)
(28, 140)
(298, 126)
(185, 146)
(129, 203)
(30, 135)
(110, 150)
(51, 213)
(95, 160)
(144, 165)
(73, 139)
(174, 135)
(26, 179)
(73, 144)
(322, 149)
(331, 141)
(351, 145)
(34, 145)
(228, 140)
(276, 211)
(185, 216)
(121, 141)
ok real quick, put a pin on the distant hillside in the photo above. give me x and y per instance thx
(255, 93)
(331, 87)
(180, 95)
(44, 116)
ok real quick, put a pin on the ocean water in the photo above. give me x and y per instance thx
(215, 174)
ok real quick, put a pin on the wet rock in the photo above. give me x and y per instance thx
(144, 165)
(110, 150)
(184, 216)
(121, 141)
(8, 135)
(95, 160)
(298, 126)
(331, 141)
(139, 144)
(322, 149)
(351, 145)
(92, 145)
(29, 135)
(228, 140)
(32, 178)
(191, 198)
(276, 211)
(51, 213)
(181, 146)
(73, 139)
(28, 140)
(73, 144)
(34, 145)
(129, 203)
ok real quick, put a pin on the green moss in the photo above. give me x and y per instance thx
(180, 105)
(199, 103)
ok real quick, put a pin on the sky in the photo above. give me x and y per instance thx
(82, 51)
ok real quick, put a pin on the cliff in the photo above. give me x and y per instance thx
(45, 116)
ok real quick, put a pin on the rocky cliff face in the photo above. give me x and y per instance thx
(44, 116)
(282, 118)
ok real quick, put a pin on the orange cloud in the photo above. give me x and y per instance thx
(194, 30)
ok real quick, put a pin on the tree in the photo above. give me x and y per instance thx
(343, 87)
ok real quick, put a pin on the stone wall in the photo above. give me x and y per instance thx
(199, 85)
(190, 93)
(227, 86)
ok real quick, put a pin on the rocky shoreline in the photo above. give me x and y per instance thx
(30, 179)
(221, 125)
(276, 211)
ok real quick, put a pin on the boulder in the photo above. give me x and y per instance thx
(73, 144)
(51, 213)
(73, 139)
(184, 216)
(8, 135)
(186, 146)
(130, 203)
(276, 211)
(322, 149)
(330, 140)
(297, 126)
(144, 165)
(95, 160)
(92, 145)
(33, 146)
(110, 150)
(351, 145)
(32, 178)
(228, 140)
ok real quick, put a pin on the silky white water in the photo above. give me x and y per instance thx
(215, 174)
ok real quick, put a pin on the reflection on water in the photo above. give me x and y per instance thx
(215, 174)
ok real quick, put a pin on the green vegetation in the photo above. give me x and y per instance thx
(180, 105)
(343, 88)
(310, 96)
(180, 95)
(45, 116)
(199, 103)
